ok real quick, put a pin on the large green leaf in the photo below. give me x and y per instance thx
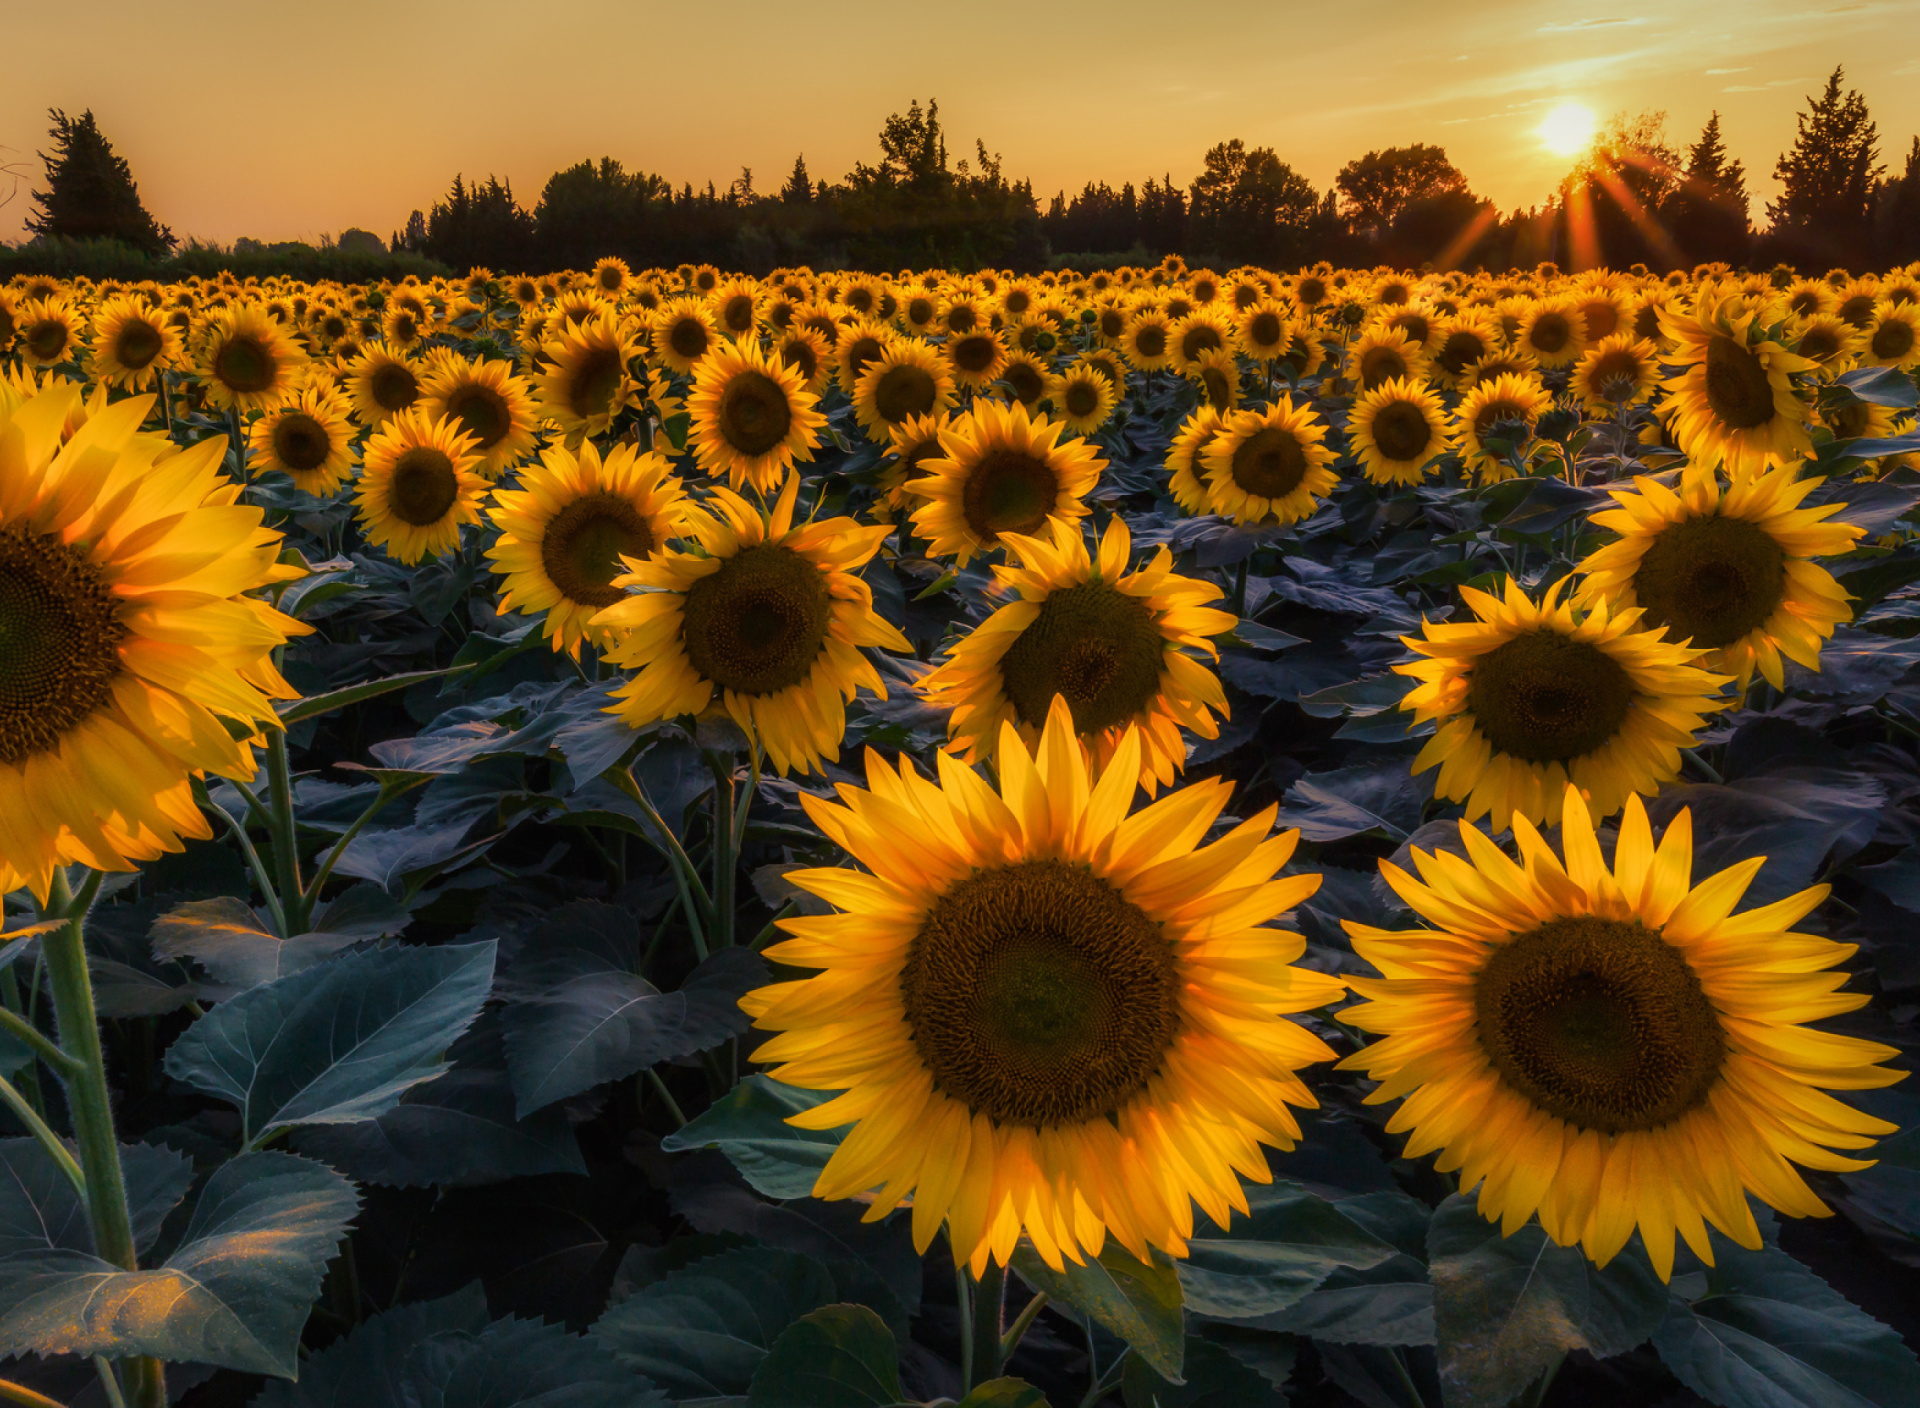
(750, 1127)
(235, 1294)
(226, 938)
(1214, 1379)
(366, 1368)
(339, 1042)
(839, 1356)
(1004, 1393)
(1290, 1244)
(1759, 1330)
(1139, 1303)
(1507, 1308)
(40, 1211)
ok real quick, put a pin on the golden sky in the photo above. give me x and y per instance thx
(283, 122)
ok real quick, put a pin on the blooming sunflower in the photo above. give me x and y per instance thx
(381, 383)
(1507, 406)
(1026, 378)
(418, 487)
(49, 332)
(587, 382)
(767, 615)
(1084, 397)
(127, 641)
(132, 343)
(1553, 332)
(1607, 1046)
(490, 403)
(1217, 374)
(805, 351)
(247, 360)
(611, 276)
(860, 343)
(977, 358)
(1114, 644)
(1203, 330)
(566, 530)
(683, 333)
(1458, 343)
(1829, 340)
(1001, 471)
(1190, 441)
(1529, 696)
(308, 438)
(914, 442)
(1733, 400)
(1616, 372)
(1728, 569)
(1046, 1016)
(1398, 430)
(1147, 343)
(1263, 331)
(1268, 466)
(752, 417)
(735, 306)
(908, 379)
(405, 325)
(1893, 338)
(1384, 354)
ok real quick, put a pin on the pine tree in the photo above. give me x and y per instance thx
(1828, 178)
(1708, 213)
(799, 187)
(1898, 217)
(90, 191)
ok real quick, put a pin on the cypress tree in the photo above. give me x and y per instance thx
(1828, 177)
(90, 191)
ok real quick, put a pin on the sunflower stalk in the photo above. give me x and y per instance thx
(11, 1392)
(389, 791)
(296, 904)
(694, 899)
(986, 1358)
(254, 863)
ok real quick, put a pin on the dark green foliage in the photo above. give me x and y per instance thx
(90, 192)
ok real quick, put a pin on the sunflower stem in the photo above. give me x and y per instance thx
(254, 864)
(48, 1140)
(666, 1097)
(389, 791)
(109, 1381)
(1017, 1331)
(63, 1064)
(723, 862)
(1108, 1381)
(296, 904)
(989, 1312)
(693, 895)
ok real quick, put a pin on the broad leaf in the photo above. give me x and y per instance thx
(367, 1367)
(1004, 1393)
(337, 1043)
(227, 939)
(1289, 1245)
(749, 1125)
(1214, 1378)
(839, 1356)
(1139, 1303)
(40, 1211)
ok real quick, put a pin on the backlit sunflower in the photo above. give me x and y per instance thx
(1529, 696)
(417, 487)
(1614, 373)
(1460, 342)
(1147, 343)
(1001, 471)
(132, 344)
(860, 343)
(1383, 354)
(1217, 375)
(1828, 340)
(805, 351)
(752, 417)
(611, 276)
(247, 361)
(49, 332)
(1047, 1018)
(1553, 332)
(586, 381)
(908, 379)
(1203, 330)
(490, 403)
(1263, 331)
(769, 616)
(735, 308)
(1187, 483)
(1608, 1047)
(1114, 644)
(1083, 397)
(1268, 466)
(977, 358)
(1893, 338)
(1733, 400)
(308, 438)
(1728, 569)
(404, 325)
(913, 443)
(1398, 430)
(381, 383)
(566, 529)
(683, 334)
(1506, 407)
(128, 643)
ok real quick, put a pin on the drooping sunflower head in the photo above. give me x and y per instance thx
(767, 615)
(908, 379)
(1734, 400)
(49, 332)
(1604, 1045)
(1616, 372)
(1553, 331)
(1083, 397)
(418, 486)
(1384, 354)
(1268, 465)
(752, 417)
(381, 383)
(587, 380)
(1046, 999)
(573, 526)
(309, 439)
(1728, 569)
(1398, 431)
(132, 343)
(1531, 695)
(1002, 471)
(247, 361)
(1504, 408)
(1893, 338)
(489, 403)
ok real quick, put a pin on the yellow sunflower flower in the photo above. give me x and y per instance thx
(683, 334)
(1264, 331)
(247, 361)
(977, 358)
(1001, 471)
(806, 352)
(1147, 342)
(1893, 338)
(752, 417)
(586, 382)
(1398, 430)
(1201, 331)
(132, 344)
(381, 383)
(1217, 375)
(914, 442)
(1084, 397)
(49, 332)
(1187, 484)
(309, 439)
(1733, 400)
(490, 403)
(1616, 372)
(1383, 354)
(1460, 342)
(1607, 1046)
(1507, 399)
(1553, 332)
(1828, 340)
(908, 379)
(1046, 1017)
(1268, 466)
(418, 487)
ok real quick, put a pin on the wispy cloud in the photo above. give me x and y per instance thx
(1764, 87)
(1719, 72)
(1575, 26)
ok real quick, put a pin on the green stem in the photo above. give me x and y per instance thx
(63, 1064)
(963, 1297)
(1536, 1394)
(296, 903)
(1406, 1376)
(1017, 1331)
(11, 1392)
(109, 1380)
(254, 864)
(49, 1141)
(723, 876)
(693, 895)
(388, 792)
(989, 1309)
(1107, 1382)
(666, 1097)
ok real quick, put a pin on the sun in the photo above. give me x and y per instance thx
(1568, 129)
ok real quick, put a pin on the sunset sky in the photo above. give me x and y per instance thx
(283, 123)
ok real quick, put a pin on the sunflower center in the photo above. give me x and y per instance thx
(798, 354)
(1008, 492)
(1264, 329)
(137, 345)
(59, 643)
(1112, 324)
(904, 391)
(688, 339)
(1219, 390)
(961, 318)
(47, 340)
(753, 414)
(1601, 319)
(1599, 1022)
(758, 624)
(1893, 339)
(1202, 337)
(482, 413)
(737, 313)
(1819, 344)
(584, 543)
(1150, 341)
(1038, 995)
(394, 387)
(424, 486)
(1460, 350)
(1711, 580)
(860, 352)
(1379, 365)
(1737, 385)
(300, 442)
(1401, 432)
(1269, 464)
(1548, 698)
(1082, 399)
(1092, 643)
(1025, 381)
(973, 354)
(1550, 332)
(1858, 309)
(244, 365)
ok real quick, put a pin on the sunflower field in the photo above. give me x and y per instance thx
(831, 841)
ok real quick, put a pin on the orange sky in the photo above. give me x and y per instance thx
(271, 121)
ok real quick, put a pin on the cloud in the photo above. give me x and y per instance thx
(1574, 26)
(1765, 87)
(1718, 72)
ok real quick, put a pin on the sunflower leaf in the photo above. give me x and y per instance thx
(1292, 1242)
(750, 1127)
(1215, 1378)
(1140, 1303)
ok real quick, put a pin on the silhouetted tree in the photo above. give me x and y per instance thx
(1707, 214)
(1377, 188)
(1251, 207)
(91, 192)
(480, 225)
(1613, 199)
(1827, 179)
(1897, 214)
(799, 187)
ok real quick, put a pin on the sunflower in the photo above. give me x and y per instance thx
(611, 276)
(1607, 1046)
(960, 313)
(1854, 419)
(1186, 483)
(1497, 364)
(1217, 375)
(1083, 396)
(752, 417)
(1046, 1017)
(418, 487)
(381, 383)
(566, 530)
(805, 351)
(735, 306)
(1268, 466)
(1727, 569)
(1109, 320)
(859, 344)
(1734, 400)
(908, 379)
(1001, 471)
(1553, 332)
(1398, 431)
(9, 322)
(1114, 644)
(1305, 355)
(1025, 378)
(769, 616)
(1381, 355)
(920, 312)
(977, 358)
(1828, 340)
(914, 442)
(131, 657)
(683, 334)
(49, 332)
(1603, 314)
(1616, 372)
(132, 343)
(1147, 343)
(308, 438)
(1893, 338)
(1507, 407)
(1203, 330)
(1529, 696)
(587, 382)
(1458, 344)
(405, 325)
(1109, 363)
(1263, 330)
(490, 403)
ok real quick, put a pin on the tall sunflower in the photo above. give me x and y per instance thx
(1608, 1047)
(490, 403)
(683, 334)
(1734, 400)
(1084, 397)
(128, 643)
(977, 358)
(569, 527)
(1553, 331)
(1529, 696)
(309, 439)
(1187, 483)
(767, 615)
(587, 381)
(247, 360)
(1147, 342)
(381, 383)
(132, 343)
(1399, 429)
(1114, 644)
(1268, 465)
(1506, 407)
(418, 487)
(1046, 1017)
(1728, 569)
(908, 379)
(1616, 372)
(1002, 471)
(752, 417)
(1383, 354)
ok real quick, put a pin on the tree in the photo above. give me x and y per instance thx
(480, 225)
(1897, 217)
(799, 187)
(913, 154)
(1827, 179)
(1378, 188)
(1612, 201)
(587, 212)
(91, 192)
(1707, 214)
(1250, 207)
